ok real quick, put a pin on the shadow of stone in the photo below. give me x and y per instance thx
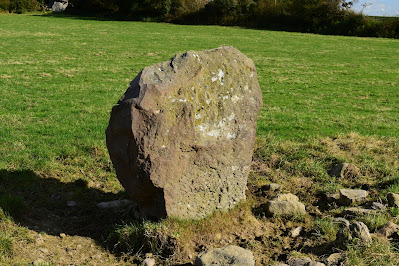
(41, 204)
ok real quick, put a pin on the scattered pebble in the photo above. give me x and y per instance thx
(71, 203)
(148, 262)
(62, 235)
(295, 232)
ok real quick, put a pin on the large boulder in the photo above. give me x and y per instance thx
(181, 137)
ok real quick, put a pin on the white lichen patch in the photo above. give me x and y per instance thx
(235, 98)
(214, 79)
(197, 56)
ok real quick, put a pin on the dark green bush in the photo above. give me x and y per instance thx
(19, 6)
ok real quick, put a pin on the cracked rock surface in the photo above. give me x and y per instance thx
(181, 137)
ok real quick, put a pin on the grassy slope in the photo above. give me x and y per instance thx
(59, 78)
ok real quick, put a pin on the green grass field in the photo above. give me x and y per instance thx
(60, 77)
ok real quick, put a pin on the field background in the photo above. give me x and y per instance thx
(60, 77)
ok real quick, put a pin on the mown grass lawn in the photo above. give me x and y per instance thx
(60, 77)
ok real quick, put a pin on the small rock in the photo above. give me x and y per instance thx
(332, 197)
(285, 208)
(335, 259)
(352, 196)
(62, 235)
(337, 170)
(342, 221)
(44, 250)
(359, 230)
(344, 170)
(148, 262)
(378, 206)
(287, 196)
(230, 255)
(71, 203)
(393, 200)
(271, 187)
(113, 204)
(295, 232)
(304, 262)
(358, 211)
(56, 196)
(388, 229)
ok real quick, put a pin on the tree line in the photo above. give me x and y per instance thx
(317, 16)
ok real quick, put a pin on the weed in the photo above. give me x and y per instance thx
(325, 228)
(378, 253)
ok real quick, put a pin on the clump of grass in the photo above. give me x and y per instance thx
(325, 228)
(379, 252)
(142, 237)
(375, 221)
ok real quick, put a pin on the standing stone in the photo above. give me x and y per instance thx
(181, 137)
(230, 255)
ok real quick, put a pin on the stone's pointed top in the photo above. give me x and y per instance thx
(181, 138)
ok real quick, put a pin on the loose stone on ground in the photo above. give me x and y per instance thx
(285, 205)
(230, 255)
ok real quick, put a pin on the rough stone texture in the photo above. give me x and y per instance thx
(352, 196)
(304, 262)
(287, 196)
(341, 221)
(285, 208)
(335, 259)
(344, 170)
(360, 230)
(332, 197)
(230, 255)
(378, 206)
(356, 230)
(295, 232)
(181, 137)
(358, 211)
(59, 6)
(148, 262)
(388, 229)
(393, 200)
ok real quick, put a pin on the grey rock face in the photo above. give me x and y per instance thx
(352, 196)
(59, 6)
(393, 200)
(359, 230)
(356, 230)
(230, 255)
(181, 138)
